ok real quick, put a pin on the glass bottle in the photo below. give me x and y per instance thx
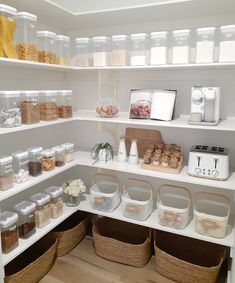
(133, 156)
(122, 150)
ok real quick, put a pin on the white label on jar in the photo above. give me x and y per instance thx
(138, 60)
(227, 51)
(180, 55)
(100, 59)
(205, 52)
(158, 55)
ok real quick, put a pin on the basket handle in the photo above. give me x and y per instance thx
(108, 175)
(145, 182)
(226, 199)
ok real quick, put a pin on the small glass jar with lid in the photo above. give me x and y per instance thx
(42, 211)
(48, 105)
(101, 51)
(9, 231)
(9, 109)
(205, 45)
(35, 161)
(69, 152)
(25, 210)
(64, 102)
(62, 47)
(59, 155)
(159, 47)
(139, 49)
(6, 172)
(227, 44)
(7, 28)
(29, 107)
(84, 52)
(46, 47)
(26, 37)
(56, 201)
(48, 160)
(181, 46)
(20, 166)
(120, 50)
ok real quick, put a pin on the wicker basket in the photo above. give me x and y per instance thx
(70, 232)
(122, 242)
(187, 260)
(32, 264)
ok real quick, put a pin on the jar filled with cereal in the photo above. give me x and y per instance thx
(42, 211)
(46, 47)
(48, 160)
(48, 105)
(56, 201)
(64, 102)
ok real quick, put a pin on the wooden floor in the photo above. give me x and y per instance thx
(82, 265)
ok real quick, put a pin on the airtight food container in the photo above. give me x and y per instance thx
(46, 47)
(62, 47)
(56, 201)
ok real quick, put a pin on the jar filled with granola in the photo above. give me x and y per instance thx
(42, 211)
(48, 160)
(62, 47)
(56, 201)
(35, 161)
(29, 107)
(9, 231)
(64, 102)
(46, 47)
(26, 37)
(20, 166)
(25, 210)
(6, 177)
(48, 105)
(59, 155)
(69, 152)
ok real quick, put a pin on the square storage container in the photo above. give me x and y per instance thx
(48, 160)
(120, 50)
(137, 199)
(48, 105)
(105, 192)
(26, 222)
(6, 172)
(59, 155)
(20, 166)
(9, 231)
(227, 44)
(205, 45)
(35, 161)
(139, 49)
(181, 46)
(46, 47)
(29, 107)
(101, 51)
(64, 102)
(159, 47)
(83, 52)
(69, 152)
(56, 201)
(211, 213)
(62, 49)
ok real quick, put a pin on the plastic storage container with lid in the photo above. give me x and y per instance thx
(227, 44)
(25, 210)
(9, 109)
(105, 192)
(173, 205)
(42, 211)
(139, 49)
(35, 161)
(159, 47)
(59, 155)
(9, 231)
(83, 52)
(181, 46)
(211, 214)
(64, 102)
(48, 160)
(48, 105)
(20, 166)
(69, 152)
(56, 201)
(137, 199)
(120, 50)
(205, 45)
(26, 37)
(101, 51)
(46, 47)
(62, 49)
(7, 28)
(107, 107)
(29, 107)
(6, 172)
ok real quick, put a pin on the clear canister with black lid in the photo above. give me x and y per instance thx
(35, 161)
(20, 166)
(56, 201)
(42, 211)
(6, 172)
(29, 107)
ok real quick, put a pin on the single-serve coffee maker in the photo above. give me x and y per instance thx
(205, 106)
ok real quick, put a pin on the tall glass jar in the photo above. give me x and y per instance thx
(139, 49)
(64, 102)
(59, 155)
(20, 166)
(7, 28)
(29, 107)
(101, 51)
(181, 46)
(35, 161)
(227, 44)
(48, 105)
(6, 172)
(83, 52)
(62, 47)
(42, 211)
(120, 50)
(56, 201)
(26, 37)
(69, 152)
(205, 45)
(158, 51)
(48, 160)
(46, 47)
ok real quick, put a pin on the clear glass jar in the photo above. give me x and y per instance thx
(107, 108)
(26, 37)
(120, 50)
(35, 161)
(64, 102)
(84, 54)
(139, 49)
(59, 155)
(56, 201)
(158, 50)
(6, 172)
(46, 47)
(48, 160)
(7, 28)
(29, 107)
(48, 105)
(69, 152)
(20, 166)
(205, 45)
(62, 47)
(9, 231)
(9, 109)
(101, 51)
(227, 44)
(26, 210)
(42, 211)
(181, 46)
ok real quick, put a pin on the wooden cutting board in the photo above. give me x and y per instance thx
(145, 139)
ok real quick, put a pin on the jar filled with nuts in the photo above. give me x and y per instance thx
(35, 161)
(48, 105)
(107, 108)
(64, 102)
(46, 47)
(56, 201)
(29, 107)
(20, 166)
(59, 155)
(48, 160)
(42, 211)
(62, 47)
